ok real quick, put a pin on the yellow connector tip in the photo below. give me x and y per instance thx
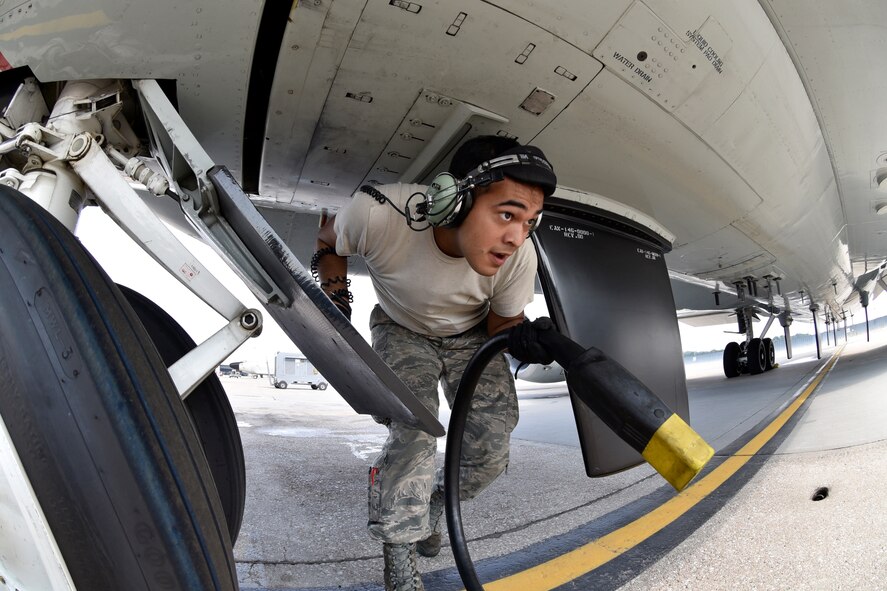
(677, 452)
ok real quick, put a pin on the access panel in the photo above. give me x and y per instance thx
(606, 285)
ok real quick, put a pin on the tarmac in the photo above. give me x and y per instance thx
(748, 521)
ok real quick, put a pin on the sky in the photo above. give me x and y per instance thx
(129, 265)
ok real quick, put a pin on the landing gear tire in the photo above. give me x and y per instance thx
(731, 360)
(209, 408)
(321, 386)
(757, 357)
(770, 352)
(105, 442)
(314, 386)
(281, 384)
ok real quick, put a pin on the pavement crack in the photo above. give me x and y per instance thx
(499, 534)
(491, 536)
(252, 563)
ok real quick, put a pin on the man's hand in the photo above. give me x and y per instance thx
(342, 298)
(524, 343)
(330, 269)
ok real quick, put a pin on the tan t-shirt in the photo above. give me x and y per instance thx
(417, 285)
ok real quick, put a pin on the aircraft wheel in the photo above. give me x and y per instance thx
(770, 353)
(757, 357)
(281, 384)
(731, 360)
(106, 444)
(208, 405)
(321, 386)
(314, 386)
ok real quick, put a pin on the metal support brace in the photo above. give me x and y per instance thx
(835, 328)
(189, 371)
(814, 308)
(749, 327)
(125, 207)
(767, 326)
(219, 209)
(187, 165)
(785, 319)
(828, 334)
(769, 290)
(740, 290)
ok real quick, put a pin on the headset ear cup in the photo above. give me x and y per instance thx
(441, 195)
(462, 208)
(535, 225)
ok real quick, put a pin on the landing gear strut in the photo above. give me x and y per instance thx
(754, 355)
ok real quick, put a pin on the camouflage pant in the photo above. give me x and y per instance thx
(402, 477)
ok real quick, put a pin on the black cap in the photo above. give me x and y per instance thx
(534, 168)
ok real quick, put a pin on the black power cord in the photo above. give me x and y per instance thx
(456, 429)
(609, 390)
(523, 342)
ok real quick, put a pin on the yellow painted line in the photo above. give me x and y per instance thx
(578, 562)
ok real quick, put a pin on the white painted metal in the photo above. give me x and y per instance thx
(619, 209)
(189, 371)
(667, 68)
(54, 187)
(311, 52)
(27, 105)
(178, 142)
(838, 55)
(204, 45)
(425, 154)
(394, 54)
(29, 555)
(614, 141)
(122, 204)
(187, 163)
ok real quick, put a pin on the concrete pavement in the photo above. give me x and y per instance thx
(307, 454)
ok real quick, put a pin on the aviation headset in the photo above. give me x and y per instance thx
(448, 200)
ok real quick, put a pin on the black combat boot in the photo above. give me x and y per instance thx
(401, 570)
(430, 546)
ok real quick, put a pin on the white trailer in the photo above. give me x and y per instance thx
(294, 368)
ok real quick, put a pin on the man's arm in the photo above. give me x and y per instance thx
(330, 268)
(496, 323)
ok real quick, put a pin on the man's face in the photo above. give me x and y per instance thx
(498, 223)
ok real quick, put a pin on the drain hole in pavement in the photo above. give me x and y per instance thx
(820, 493)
